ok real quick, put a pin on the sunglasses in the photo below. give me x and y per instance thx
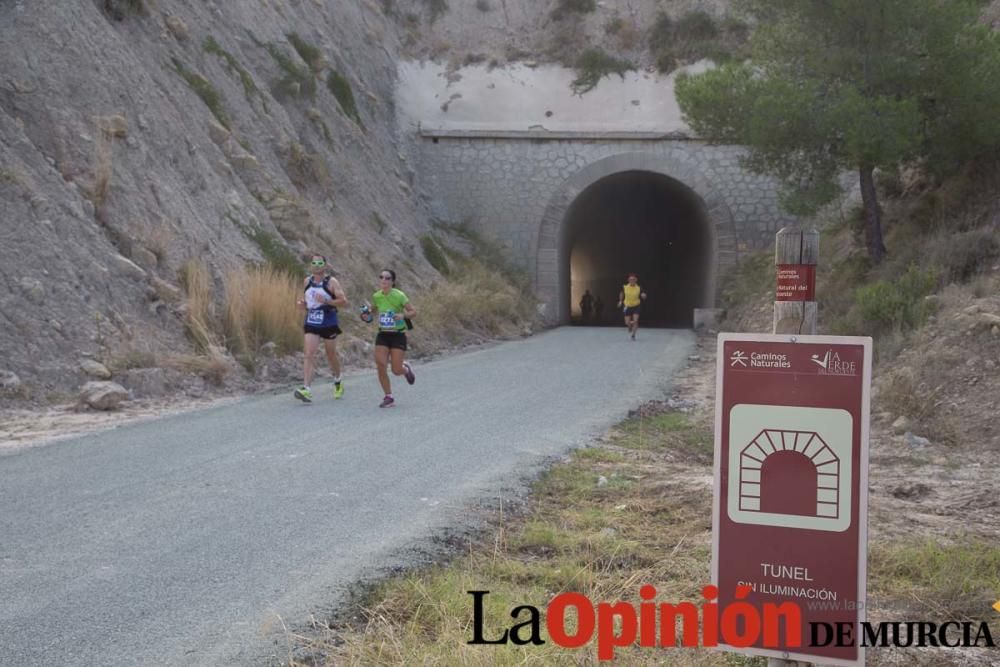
(318, 262)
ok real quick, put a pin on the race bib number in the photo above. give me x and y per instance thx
(387, 320)
(315, 317)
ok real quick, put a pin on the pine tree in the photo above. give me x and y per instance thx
(853, 85)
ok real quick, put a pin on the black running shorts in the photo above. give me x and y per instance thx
(394, 340)
(327, 333)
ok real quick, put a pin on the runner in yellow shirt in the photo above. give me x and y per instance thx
(631, 297)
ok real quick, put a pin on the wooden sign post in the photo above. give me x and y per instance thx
(795, 254)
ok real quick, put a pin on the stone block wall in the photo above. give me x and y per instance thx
(516, 189)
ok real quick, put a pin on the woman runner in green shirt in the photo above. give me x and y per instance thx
(390, 308)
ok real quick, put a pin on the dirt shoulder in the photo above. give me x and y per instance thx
(25, 424)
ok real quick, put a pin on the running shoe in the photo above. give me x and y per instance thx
(633, 335)
(410, 377)
(304, 395)
(387, 402)
(338, 390)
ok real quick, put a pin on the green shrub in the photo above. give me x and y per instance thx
(309, 53)
(249, 87)
(593, 65)
(341, 89)
(434, 254)
(753, 276)
(490, 254)
(735, 28)
(119, 10)
(964, 255)
(661, 35)
(275, 252)
(9, 176)
(436, 8)
(203, 89)
(666, 60)
(697, 25)
(898, 304)
(694, 36)
(298, 81)
(566, 7)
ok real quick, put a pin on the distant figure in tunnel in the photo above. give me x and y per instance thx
(631, 297)
(598, 309)
(586, 306)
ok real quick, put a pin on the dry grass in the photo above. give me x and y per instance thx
(113, 127)
(957, 580)
(477, 300)
(158, 240)
(260, 308)
(304, 168)
(212, 365)
(100, 184)
(903, 391)
(132, 357)
(200, 318)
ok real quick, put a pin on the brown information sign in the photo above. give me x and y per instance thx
(796, 282)
(791, 484)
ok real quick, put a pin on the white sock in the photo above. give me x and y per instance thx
(336, 380)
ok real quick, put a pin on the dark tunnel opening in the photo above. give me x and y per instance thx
(644, 223)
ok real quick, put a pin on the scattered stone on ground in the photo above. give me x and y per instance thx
(102, 395)
(95, 369)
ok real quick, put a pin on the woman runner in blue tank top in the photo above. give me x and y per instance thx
(322, 295)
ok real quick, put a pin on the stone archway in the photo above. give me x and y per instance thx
(551, 256)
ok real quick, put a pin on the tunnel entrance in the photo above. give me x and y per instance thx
(637, 222)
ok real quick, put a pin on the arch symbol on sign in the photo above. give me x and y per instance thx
(794, 461)
(790, 466)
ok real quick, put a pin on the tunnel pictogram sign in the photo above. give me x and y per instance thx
(790, 466)
(791, 478)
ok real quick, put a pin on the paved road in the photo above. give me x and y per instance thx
(180, 541)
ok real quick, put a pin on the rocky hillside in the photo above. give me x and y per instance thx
(141, 139)
(648, 34)
(137, 135)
